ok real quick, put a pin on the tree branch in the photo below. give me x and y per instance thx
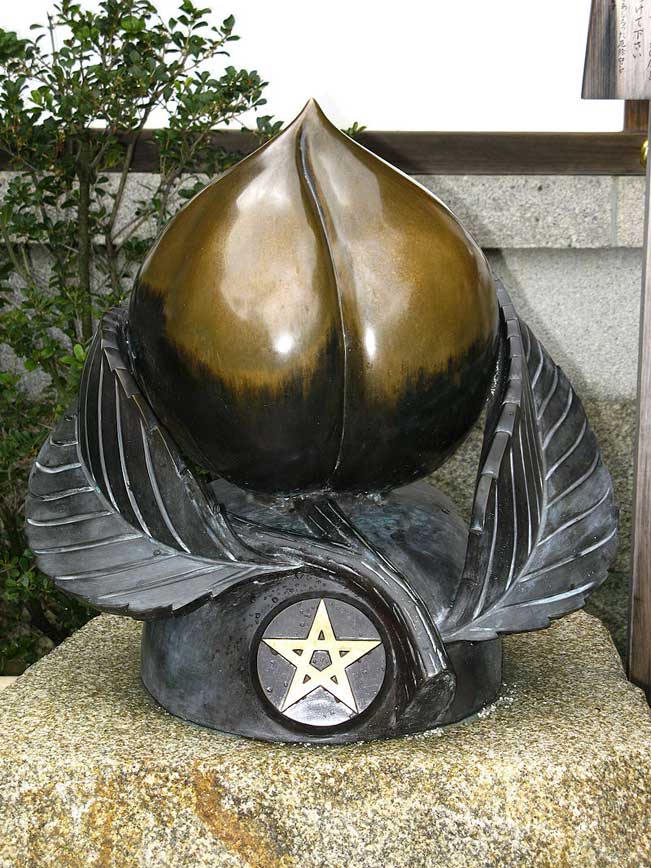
(83, 174)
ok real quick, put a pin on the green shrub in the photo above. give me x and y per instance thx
(68, 96)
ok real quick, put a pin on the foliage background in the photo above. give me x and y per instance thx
(68, 247)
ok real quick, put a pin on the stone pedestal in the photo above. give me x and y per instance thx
(556, 773)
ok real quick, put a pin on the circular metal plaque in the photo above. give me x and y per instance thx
(321, 661)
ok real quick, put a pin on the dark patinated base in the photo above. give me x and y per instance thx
(216, 666)
(200, 667)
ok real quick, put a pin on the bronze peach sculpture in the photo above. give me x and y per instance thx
(315, 332)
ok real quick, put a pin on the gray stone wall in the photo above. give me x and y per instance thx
(549, 211)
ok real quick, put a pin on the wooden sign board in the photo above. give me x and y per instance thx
(618, 56)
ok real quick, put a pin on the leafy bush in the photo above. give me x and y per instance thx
(74, 102)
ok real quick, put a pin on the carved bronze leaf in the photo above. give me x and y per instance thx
(544, 525)
(114, 514)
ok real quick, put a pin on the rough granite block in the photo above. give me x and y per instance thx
(584, 305)
(530, 210)
(614, 423)
(630, 211)
(556, 773)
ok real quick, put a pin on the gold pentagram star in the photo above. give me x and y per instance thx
(333, 677)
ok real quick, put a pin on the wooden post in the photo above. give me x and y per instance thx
(636, 115)
(618, 66)
(639, 634)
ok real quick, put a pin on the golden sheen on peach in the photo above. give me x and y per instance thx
(315, 319)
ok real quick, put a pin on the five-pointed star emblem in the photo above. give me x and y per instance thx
(332, 677)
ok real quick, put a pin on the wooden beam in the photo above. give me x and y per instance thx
(509, 153)
(463, 153)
